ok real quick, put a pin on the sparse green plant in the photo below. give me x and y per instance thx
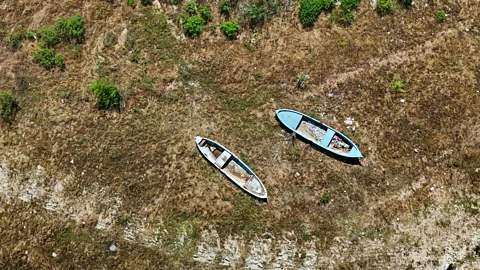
(325, 199)
(110, 39)
(440, 15)
(224, 7)
(230, 29)
(48, 58)
(406, 3)
(349, 4)
(131, 3)
(146, 2)
(254, 14)
(14, 41)
(191, 8)
(173, 2)
(384, 6)
(193, 25)
(172, 98)
(302, 79)
(30, 35)
(7, 104)
(344, 16)
(397, 85)
(205, 13)
(311, 9)
(106, 93)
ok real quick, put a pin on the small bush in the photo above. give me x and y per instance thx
(205, 13)
(7, 104)
(325, 199)
(384, 6)
(311, 9)
(230, 29)
(48, 58)
(193, 25)
(106, 93)
(146, 2)
(30, 35)
(349, 4)
(191, 8)
(131, 3)
(397, 85)
(406, 3)
(173, 2)
(440, 15)
(343, 16)
(48, 36)
(255, 15)
(224, 7)
(71, 29)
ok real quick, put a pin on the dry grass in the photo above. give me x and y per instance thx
(228, 91)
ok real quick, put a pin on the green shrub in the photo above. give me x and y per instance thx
(193, 25)
(131, 3)
(440, 15)
(173, 2)
(191, 8)
(7, 104)
(71, 29)
(48, 36)
(106, 93)
(325, 199)
(48, 58)
(349, 4)
(224, 7)
(384, 6)
(230, 29)
(205, 13)
(311, 9)
(30, 35)
(406, 3)
(255, 15)
(345, 16)
(146, 2)
(397, 85)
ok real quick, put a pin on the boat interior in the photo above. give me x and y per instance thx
(231, 167)
(323, 136)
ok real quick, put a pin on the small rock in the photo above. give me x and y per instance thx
(297, 174)
(402, 100)
(416, 150)
(113, 248)
(54, 254)
(432, 188)
(71, 161)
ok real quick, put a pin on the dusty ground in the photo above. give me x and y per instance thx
(75, 179)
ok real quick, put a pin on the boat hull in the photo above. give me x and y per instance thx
(231, 166)
(318, 133)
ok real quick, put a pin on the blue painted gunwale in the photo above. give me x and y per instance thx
(291, 119)
(199, 139)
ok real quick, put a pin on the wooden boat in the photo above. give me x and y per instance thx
(318, 133)
(232, 167)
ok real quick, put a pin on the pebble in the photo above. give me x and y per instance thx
(432, 189)
(402, 100)
(113, 248)
(54, 254)
(415, 150)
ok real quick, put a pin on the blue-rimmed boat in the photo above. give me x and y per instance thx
(230, 165)
(318, 133)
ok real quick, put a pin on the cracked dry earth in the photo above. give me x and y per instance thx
(74, 179)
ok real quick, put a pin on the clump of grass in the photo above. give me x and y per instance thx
(244, 219)
(224, 8)
(230, 29)
(384, 6)
(106, 93)
(15, 41)
(325, 199)
(397, 85)
(440, 15)
(349, 4)
(302, 79)
(311, 9)
(7, 104)
(205, 13)
(30, 35)
(48, 58)
(71, 29)
(193, 25)
(146, 2)
(110, 39)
